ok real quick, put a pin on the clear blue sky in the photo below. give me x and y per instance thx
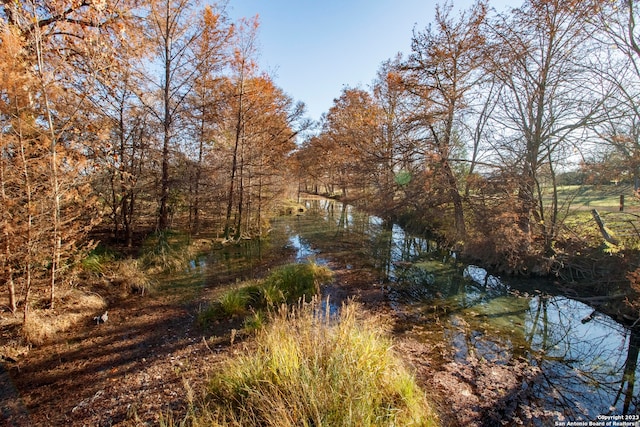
(314, 48)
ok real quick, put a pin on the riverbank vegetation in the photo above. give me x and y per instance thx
(135, 136)
(111, 134)
(496, 132)
(286, 284)
(309, 366)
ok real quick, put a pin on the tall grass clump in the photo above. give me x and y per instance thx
(284, 285)
(312, 369)
(129, 275)
(98, 260)
(167, 251)
(288, 283)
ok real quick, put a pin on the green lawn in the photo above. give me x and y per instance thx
(603, 198)
(624, 225)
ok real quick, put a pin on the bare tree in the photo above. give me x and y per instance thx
(53, 36)
(173, 36)
(212, 53)
(615, 32)
(545, 102)
(243, 66)
(441, 70)
(396, 151)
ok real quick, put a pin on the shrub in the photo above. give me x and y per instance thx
(98, 260)
(129, 276)
(237, 301)
(296, 281)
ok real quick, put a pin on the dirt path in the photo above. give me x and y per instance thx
(132, 369)
(128, 370)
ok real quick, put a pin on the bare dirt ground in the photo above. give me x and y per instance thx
(129, 370)
(138, 368)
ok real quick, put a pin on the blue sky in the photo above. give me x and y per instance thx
(314, 48)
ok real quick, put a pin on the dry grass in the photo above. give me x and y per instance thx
(74, 307)
(315, 369)
(168, 251)
(129, 276)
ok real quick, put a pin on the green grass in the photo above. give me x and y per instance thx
(606, 197)
(127, 274)
(624, 226)
(98, 260)
(294, 281)
(284, 285)
(130, 276)
(167, 251)
(310, 369)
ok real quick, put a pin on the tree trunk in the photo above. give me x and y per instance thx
(28, 242)
(234, 160)
(196, 188)
(456, 199)
(163, 220)
(114, 205)
(238, 232)
(603, 230)
(7, 270)
(56, 238)
(630, 366)
(128, 221)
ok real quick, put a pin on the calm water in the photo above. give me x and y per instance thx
(585, 363)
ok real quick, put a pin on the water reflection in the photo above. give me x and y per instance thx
(198, 265)
(589, 366)
(480, 276)
(303, 250)
(587, 362)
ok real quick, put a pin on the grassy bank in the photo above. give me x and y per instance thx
(283, 285)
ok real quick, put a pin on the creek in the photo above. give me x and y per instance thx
(581, 364)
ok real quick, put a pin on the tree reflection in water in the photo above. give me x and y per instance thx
(586, 363)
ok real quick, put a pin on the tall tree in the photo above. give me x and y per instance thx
(212, 53)
(538, 56)
(243, 67)
(114, 125)
(173, 35)
(16, 210)
(396, 154)
(616, 34)
(352, 128)
(272, 122)
(54, 35)
(441, 70)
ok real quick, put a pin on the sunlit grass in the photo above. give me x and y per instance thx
(129, 275)
(285, 284)
(576, 203)
(606, 197)
(97, 260)
(236, 302)
(296, 280)
(312, 369)
(74, 306)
